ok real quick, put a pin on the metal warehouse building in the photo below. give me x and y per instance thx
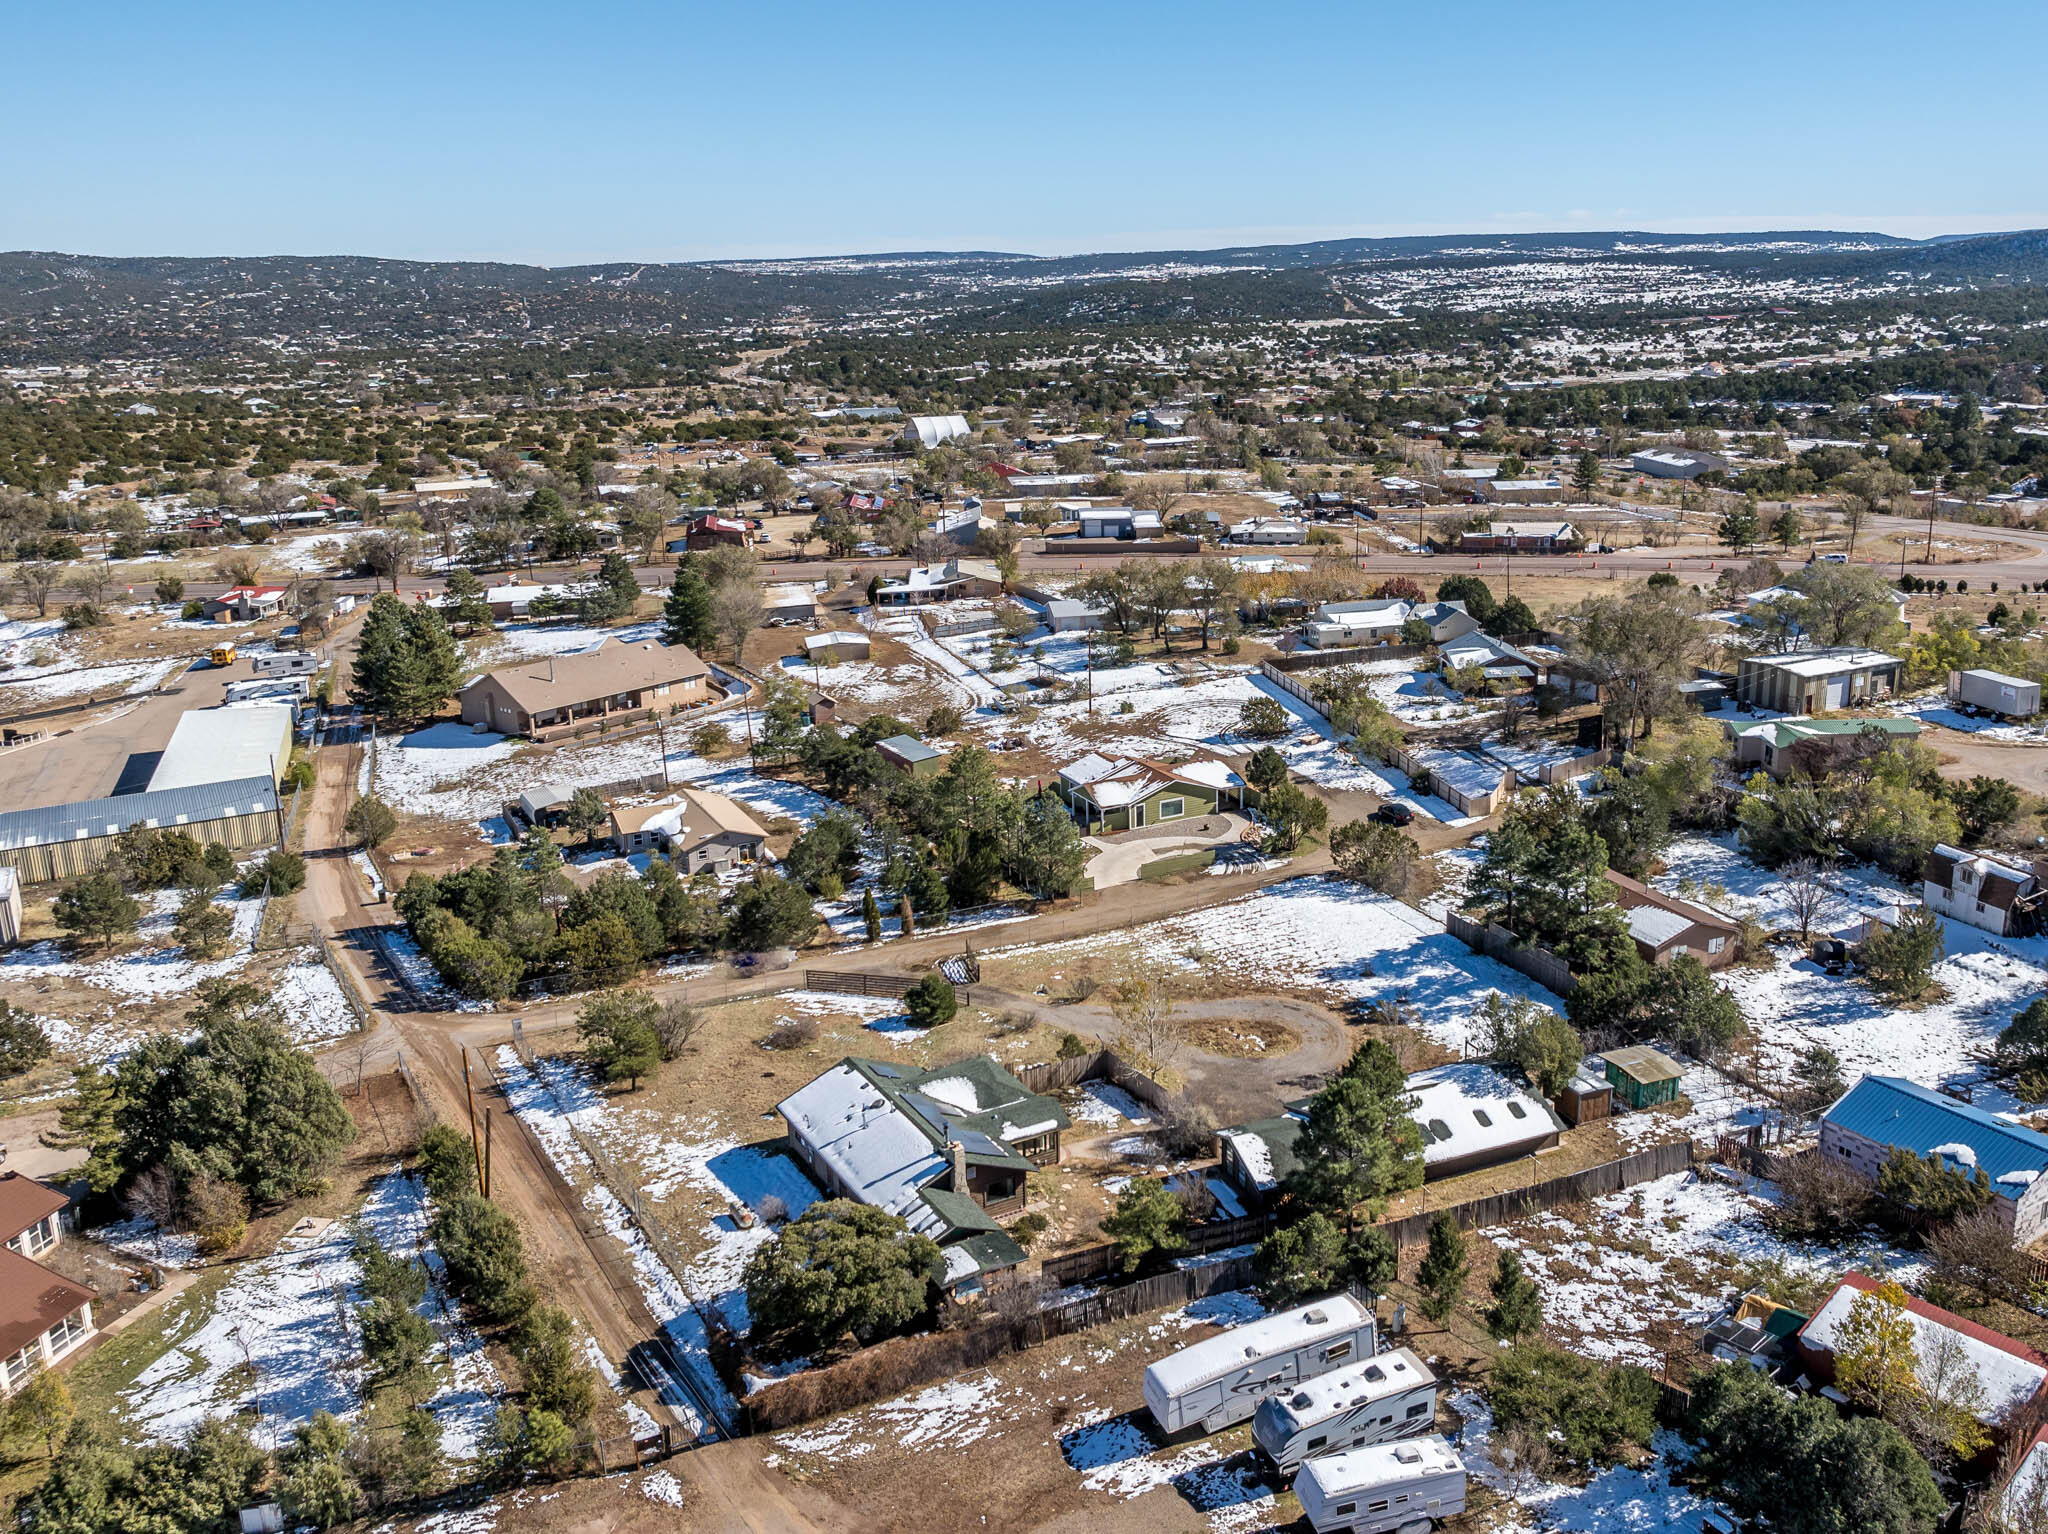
(226, 745)
(63, 841)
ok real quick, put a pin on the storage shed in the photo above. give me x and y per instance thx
(1642, 1077)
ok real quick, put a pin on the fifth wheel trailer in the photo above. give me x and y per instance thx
(1223, 1379)
(1390, 1488)
(1376, 1401)
(1993, 691)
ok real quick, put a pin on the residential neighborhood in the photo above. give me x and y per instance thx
(813, 852)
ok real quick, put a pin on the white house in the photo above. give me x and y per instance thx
(1269, 530)
(1675, 463)
(1998, 894)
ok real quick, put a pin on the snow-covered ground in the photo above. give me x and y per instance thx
(453, 773)
(1936, 709)
(148, 973)
(1661, 1252)
(554, 1096)
(40, 660)
(1330, 935)
(1618, 1500)
(512, 642)
(1793, 1004)
(278, 1340)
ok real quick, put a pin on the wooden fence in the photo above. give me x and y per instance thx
(904, 1363)
(1576, 1187)
(1496, 942)
(1100, 1261)
(852, 982)
(1096, 1065)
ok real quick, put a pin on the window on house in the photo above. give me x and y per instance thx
(1716, 944)
(1172, 809)
(66, 1331)
(17, 1368)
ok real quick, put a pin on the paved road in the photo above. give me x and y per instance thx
(86, 761)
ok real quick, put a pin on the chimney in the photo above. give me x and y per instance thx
(957, 1154)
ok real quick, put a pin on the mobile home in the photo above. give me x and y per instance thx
(1376, 1401)
(1222, 1380)
(1389, 1488)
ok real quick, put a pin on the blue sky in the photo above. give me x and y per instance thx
(632, 131)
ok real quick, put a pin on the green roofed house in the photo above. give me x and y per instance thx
(1129, 794)
(1641, 1076)
(947, 1149)
(906, 753)
(1784, 746)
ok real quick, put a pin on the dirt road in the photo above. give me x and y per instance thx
(2023, 766)
(573, 1262)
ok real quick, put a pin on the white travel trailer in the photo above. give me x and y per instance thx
(285, 663)
(1223, 1379)
(1389, 1488)
(1376, 1401)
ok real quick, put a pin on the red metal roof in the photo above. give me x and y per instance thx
(32, 1300)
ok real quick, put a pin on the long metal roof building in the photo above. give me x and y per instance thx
(60, 841)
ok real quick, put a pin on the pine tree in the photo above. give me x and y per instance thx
(1358, 1147)
(686, 614)
(1517, 1310)
(871, 913)
(430, 666)
(1442, 1274)
(373, 682)
(88, 1120)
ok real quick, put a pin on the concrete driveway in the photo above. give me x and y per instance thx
(1119, 861)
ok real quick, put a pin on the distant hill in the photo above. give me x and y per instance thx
(54, 304)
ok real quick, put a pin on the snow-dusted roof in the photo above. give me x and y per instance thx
(1469, 775)
(1654, 926)
(1254, 1155)
(1355, 1472)
(1370, 1379)
(2011, 1373)
(1465, 1110)
(873, 1149)
(1180, 1372)
(225, 745)
(1824, 662)
(1113, 784)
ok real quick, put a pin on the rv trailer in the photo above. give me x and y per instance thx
(1389, 1488)
(1222, 1380)
(1375, 1401)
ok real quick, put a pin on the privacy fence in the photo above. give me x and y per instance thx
(1496, 942)
(1576, 1187)
(904, 1363)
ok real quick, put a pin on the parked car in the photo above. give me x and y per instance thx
(1393, 815)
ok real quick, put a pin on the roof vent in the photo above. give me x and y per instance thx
(1316, 1317)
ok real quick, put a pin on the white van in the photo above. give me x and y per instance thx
(1390, 1488)
(1377, 1401)
(1223, 1380)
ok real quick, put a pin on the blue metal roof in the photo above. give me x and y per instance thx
(166, 807)
(1897, 1112)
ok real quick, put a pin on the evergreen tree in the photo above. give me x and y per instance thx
(486, 1260)
(431, 666)
(1442, 1274)
(840, 1266)
(24, 1044)
(87, 1120)
(1147, 1224)
(686, 613)
(871, 914)
(1048, 854)
(1517, 1310)
(447, 1163)
(1358, 1146)
(96, 906)
(617, 1030)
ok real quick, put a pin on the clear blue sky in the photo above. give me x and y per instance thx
(637, 131)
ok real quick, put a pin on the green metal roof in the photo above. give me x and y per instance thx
(960, 1212)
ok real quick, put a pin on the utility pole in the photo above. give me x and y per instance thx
(469, 1096)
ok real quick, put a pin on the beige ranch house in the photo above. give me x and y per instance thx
(559, 692)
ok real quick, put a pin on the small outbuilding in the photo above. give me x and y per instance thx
(1642, 1077)
(906, 753)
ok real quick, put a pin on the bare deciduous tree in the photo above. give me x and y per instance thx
(153, 1196)
(36, 579)
(1808, 893)
(736, 613)
(676, 1025)
(1149, 1034)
